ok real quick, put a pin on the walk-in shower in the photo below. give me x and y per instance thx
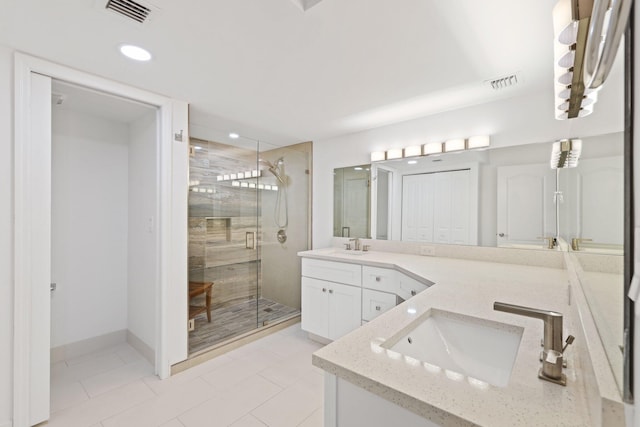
(242, 236)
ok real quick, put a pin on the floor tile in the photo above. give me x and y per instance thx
(164, 408)
(230, 375)
(129, 354)
(101, 407)
(65, 395)
(162, 386)
(234, 404)
(300, 401)
(289, 370)
(86, 369)
(248, 421)
(173, 423)
(315, 420)
(115, 378)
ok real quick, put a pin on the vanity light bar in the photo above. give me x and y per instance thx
(458, 144)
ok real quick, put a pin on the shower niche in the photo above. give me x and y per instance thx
(243, 199)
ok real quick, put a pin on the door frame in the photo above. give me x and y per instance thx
(172, 181)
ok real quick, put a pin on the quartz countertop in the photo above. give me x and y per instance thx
(467, 287)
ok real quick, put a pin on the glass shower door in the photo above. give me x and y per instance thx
(223, 241)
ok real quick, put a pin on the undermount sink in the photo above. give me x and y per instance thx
(348, 252)
(460, 345)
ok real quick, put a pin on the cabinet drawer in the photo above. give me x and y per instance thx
(374, 303)
(339, 272)
(381, 279)
(409, 286)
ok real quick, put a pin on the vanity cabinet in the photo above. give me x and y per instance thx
(331, 308)
(337, 297)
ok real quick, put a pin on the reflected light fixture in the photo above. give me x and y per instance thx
(565, 153)
(459, 144)
(234, 135)
(135, 52)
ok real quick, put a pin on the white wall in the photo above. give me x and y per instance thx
(89, 226)
(506, 124)
(6, 234)
(143, 226)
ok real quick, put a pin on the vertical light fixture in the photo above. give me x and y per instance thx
(571, 24)
(432, 148)
(412, 151)
(377, 156)
(454, 145)
(478, 141)
(394, 153)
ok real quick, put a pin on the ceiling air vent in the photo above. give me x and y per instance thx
(503, 82)
(129, 9)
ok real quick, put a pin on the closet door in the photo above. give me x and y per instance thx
(418, 195)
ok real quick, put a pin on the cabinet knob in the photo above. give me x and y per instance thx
(413, 293)
(378, 278)
(330, 291)
(377, 307)
(324, 289)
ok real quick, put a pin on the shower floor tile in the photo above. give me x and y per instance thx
(233, 320)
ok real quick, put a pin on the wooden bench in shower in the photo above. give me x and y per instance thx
(199, 288)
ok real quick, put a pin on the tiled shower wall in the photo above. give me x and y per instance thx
(220, 216)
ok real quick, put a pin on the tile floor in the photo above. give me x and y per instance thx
(269, 382)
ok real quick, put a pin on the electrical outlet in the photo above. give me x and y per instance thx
(428, 250)
(192, 325)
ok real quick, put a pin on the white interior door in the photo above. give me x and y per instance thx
(526, 209)
(418, 196)
(356, 205)
(40, 242)
(600, 215)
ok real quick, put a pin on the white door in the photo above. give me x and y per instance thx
(40, 242)
(345, 307)
(356, 205)
(418, 195)
(526, 209)
(315, 306)
(600, 214)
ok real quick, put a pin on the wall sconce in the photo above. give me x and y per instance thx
(432, 148)
(459, 144)
(454, 145)
(571, 20)
(412, 151)
(394, 153)
(377, 156)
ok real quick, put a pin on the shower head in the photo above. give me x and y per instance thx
(275, 169)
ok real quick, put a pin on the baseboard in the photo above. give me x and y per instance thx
(141, 347)
(90, 345)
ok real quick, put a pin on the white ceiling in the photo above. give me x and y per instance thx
(267, 69)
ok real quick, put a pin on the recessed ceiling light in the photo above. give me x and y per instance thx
(197, 147)
(234, 135)
(412, 162)
(135, 52)
(357, 168)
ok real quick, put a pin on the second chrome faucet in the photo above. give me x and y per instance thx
(552, 355)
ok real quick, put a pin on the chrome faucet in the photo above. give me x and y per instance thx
(552, 357)
(553, 242)
(356, 243)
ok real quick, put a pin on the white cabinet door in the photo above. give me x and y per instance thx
(526, 209)
(374, 303)
(345, 307)
(315, 306)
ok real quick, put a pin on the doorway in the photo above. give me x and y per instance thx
(33, 229)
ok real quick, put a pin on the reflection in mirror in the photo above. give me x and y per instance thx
(351, 201)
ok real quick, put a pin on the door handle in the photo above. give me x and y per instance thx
(501, 234)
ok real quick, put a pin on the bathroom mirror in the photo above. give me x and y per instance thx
(473, 198)
(351, 201)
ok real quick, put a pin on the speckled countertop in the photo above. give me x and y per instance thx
(467, 287)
